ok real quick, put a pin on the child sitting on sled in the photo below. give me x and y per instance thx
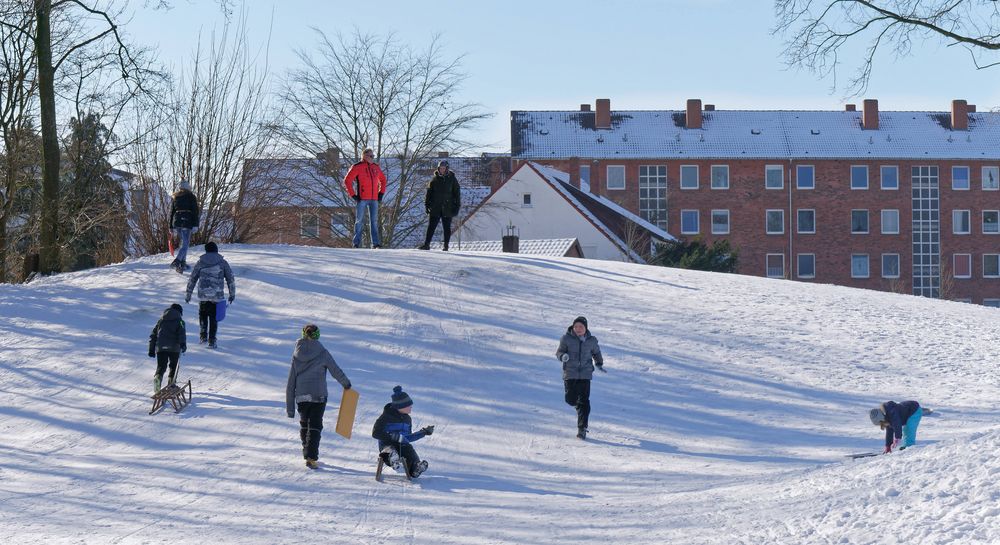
(900, 421)
(393, 431)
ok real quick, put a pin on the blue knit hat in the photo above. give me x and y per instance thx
(400, 400)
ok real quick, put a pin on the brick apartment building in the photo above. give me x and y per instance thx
(888, 200)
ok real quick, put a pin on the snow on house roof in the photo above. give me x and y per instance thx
(639, 134)
(554, 247)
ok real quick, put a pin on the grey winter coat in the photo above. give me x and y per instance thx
(168, 334)
(307, 376)
(582, 355)
(212, 269)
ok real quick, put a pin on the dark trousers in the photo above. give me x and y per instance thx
(432, 226)
(578, 395)
(311, 427)
(405, 450)
(163, 359)
(206, 320)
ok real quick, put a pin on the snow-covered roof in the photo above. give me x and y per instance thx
(740, 134)
(554, 247)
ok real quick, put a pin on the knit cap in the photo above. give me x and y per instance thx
(582, 320)
(211, 247)
(877, 415)
(400, 400)
(310, 331)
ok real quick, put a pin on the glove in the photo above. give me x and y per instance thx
(564, 358)
(888, 449)
(187, 298)
(348, 387)
(291, 415)
(356, 198)
(428, 430)
(152, 354)
(394, 436)
(895, 443)
(184, 349)
(380, 195)
(600, 368)
(231, 299)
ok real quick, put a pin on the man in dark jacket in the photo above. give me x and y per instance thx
(899, 420)
(394, 431)
(208, 274)
(166, 343)
(443, 201)
(183, 221)
(579, 353)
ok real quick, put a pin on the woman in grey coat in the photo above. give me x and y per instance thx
(579, 353)
(307, 389)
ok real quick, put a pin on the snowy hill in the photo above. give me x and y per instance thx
(727, 408)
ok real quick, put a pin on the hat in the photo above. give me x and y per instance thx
(184, 185)
(177, 307)
(400, 400)
(582, 320)
(212, 247)
(442, 164)
(877, 415)
(310, 331)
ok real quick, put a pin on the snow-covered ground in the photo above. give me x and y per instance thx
(724, 417)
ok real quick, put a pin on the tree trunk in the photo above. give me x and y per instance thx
(49, 239)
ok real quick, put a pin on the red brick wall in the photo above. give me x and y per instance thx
(287, 222)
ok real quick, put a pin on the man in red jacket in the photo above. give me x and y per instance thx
(365, 183)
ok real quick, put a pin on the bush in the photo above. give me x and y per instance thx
(696, 255)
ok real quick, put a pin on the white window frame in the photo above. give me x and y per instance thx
(607, 180)
(995, 257)
(868, 265)
(799, 185)
(954, 265)
(697, 177)
(697, 219)
(954, 223)
(798, 266)
(898, 266)
(798, 222)
(726, 212)
(302, 225)
(983, 226)
(584, 183)
(767, 269)
(996, 178)
(772, 168)
(868, 221)
(712, 172)
(852, 177)
(882, 222)
(881, 175)
(767, 214)
(968, 178)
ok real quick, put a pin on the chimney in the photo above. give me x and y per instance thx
(603, 113)
(710, 107)
(850, 107)
(959, 116)
(693, 118)
(442, 154)
(971, 108)
(329, 160)
(585, 107)
(511, 240)
(869, 116)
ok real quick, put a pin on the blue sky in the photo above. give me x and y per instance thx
(557, 54)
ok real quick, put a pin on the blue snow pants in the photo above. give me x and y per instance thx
(910, 428)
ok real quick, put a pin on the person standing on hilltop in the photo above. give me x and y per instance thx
(183, 221)
(442, 202)
(365, 183)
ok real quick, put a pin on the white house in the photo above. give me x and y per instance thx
(541, 203)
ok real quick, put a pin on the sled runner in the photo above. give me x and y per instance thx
(178, 397)
(862, 455)
(381, 464)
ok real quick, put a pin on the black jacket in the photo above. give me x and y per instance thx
(394, 427)
(184, 210)
(169, 334)
(444, 197)
(897, 414)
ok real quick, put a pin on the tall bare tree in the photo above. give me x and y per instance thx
(818, 31)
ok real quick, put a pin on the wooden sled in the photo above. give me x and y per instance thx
(381, 464)
(177, 396)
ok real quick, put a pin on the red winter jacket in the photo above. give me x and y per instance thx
(366, 180)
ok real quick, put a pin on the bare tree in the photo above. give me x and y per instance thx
(819, 30)
(366, 91)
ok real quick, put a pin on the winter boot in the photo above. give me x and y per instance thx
(424, 246)
(211, 344)
(417, 471)
(156, 383)
(312, 464)
(170, 381)
(581, 433)
(391, 458)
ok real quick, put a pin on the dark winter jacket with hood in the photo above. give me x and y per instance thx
(169, 334)
(307, 376)
(897, 414)
(583, 355)
(184, 210)
(394, 427)
(444, 197)
(209, 274)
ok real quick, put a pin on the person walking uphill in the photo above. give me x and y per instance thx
(183, 221)
(306, 389)
(579, 353)
(443, 201)
(365, 183)
(166, 343)
(900, 421)
(209, 273)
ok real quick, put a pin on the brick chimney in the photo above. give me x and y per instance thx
(329, 160)
(869, 116)
(710, 107)
(971, 108)
(442, 154)
(585, 107)
(603, 113)
(693, 118)
(850, 107)
(959, 116)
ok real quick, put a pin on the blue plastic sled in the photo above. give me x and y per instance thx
(220, 310)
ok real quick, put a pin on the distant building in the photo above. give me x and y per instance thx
(555, 247)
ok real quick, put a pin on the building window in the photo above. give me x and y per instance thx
(526, 200)
(890, 222)
(775, 222)
(720, 222)
(616, 177)
(890, 265)
(995, 303)
(960, 178)
(805, 177)
(805, 221)
(960, 222)
(859, 265)
(775, 264)
(991, 178)
(859, 222)
(653, 194)
(859, 177)
(689, 222)
(341, 224)
(991, 265)
(962, 265)
(890, 177)
(774, 177)
(720, 176)
(585, 177)
(308, 226)
(689, 176)
(991, 222)
(806, 266)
